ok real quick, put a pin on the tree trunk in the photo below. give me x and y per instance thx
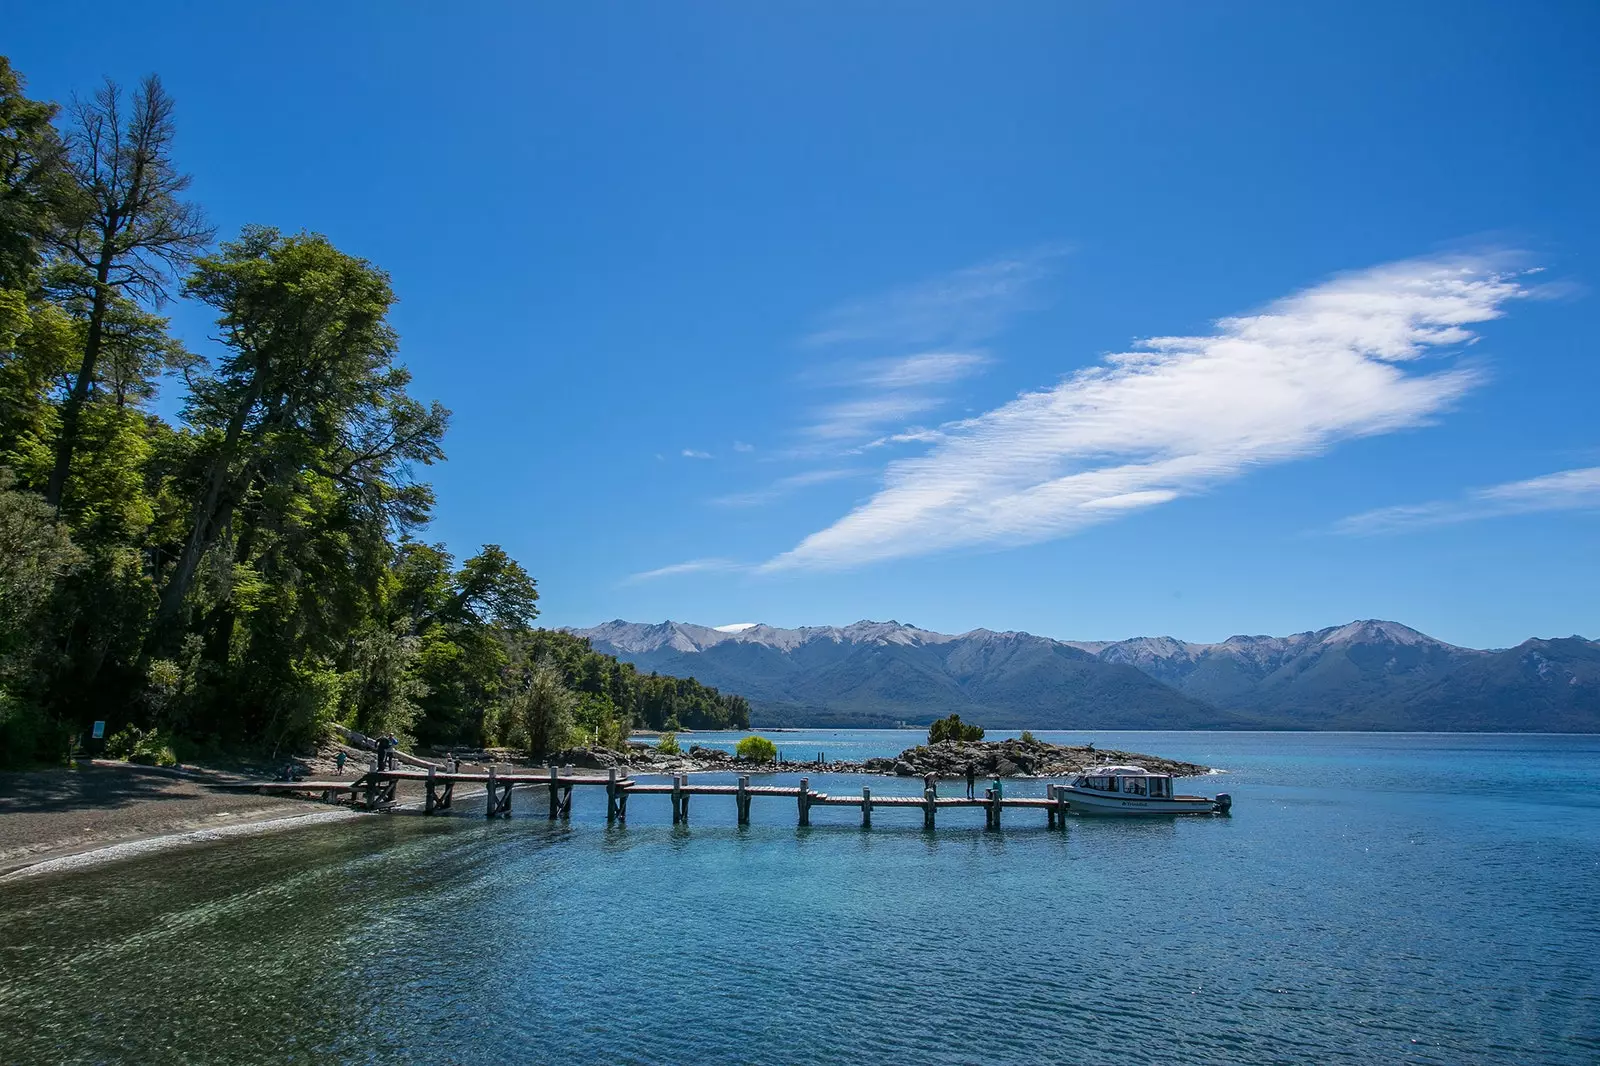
(67, 441)
(206, 511)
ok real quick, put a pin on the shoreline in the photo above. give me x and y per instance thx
(101, 854)
(67, 820)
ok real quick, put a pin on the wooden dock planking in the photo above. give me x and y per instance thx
(376, 790)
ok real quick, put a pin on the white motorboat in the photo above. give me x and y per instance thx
(1135, 790)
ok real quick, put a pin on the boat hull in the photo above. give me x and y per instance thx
(1081, 802)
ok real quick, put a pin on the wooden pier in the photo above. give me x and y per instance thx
(377, 789)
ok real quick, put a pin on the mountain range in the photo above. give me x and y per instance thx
(1364, 675)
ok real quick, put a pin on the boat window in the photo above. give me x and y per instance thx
(1158, 786)
(1133, 785)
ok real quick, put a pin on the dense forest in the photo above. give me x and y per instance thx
(250, 572)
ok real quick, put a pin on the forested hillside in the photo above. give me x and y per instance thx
(254, 570)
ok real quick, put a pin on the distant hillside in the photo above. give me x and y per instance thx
(1378, 675)
(878, 673)
(1364, 675)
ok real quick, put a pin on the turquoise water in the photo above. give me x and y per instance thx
(1373, 898)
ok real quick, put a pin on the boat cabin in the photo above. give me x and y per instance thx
(1125, 781)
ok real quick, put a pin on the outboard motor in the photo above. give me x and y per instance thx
(1224, 803)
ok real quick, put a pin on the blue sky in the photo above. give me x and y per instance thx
(806, 313)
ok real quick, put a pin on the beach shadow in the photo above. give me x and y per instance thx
(93, 787)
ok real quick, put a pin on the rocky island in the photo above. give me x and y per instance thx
(1025, 757)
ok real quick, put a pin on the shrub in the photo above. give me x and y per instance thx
(953, 728)
(756, 749)
(668, 744)
(1029, 739)
(135, 745)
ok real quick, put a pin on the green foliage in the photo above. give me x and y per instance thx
(953, 728)
(137, 745)
(756, 749)
(1029, 739)
(538, 712)
(250, 576)
(668, 744)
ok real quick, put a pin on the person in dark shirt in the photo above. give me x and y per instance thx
(972, 779)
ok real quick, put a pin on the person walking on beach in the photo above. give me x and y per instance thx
(972, 779)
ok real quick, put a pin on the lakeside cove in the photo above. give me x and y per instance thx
(378, 788)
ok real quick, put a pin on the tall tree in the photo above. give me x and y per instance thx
(33, 178)
(128, 231)
(309, 387)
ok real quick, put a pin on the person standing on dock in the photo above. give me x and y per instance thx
(972, 779)
(930, 782)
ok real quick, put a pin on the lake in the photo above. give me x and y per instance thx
(1372, 898)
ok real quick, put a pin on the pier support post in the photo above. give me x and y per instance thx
(1062, 806)
(555, 800)
(805, 801)
(622, 805)
(742, 800)
(988, 808)
(494, 794)
(928, 808)
(866, 808)
(677, 799)
(611, 794)
(432, 801)
(995, 823)
(1050, 811)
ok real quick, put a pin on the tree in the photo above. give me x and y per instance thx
(952, 728)
(756, 749)
(309, 387)
(542, 707)
(36, 554)
(33, 178)
(127, 230)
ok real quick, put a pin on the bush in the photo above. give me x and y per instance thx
(953, 728)
(146, 748)
(1029, 739)
(668, 745)
(756, 749)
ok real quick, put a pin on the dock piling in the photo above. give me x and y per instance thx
(866, 807)
(805, 801)
(929, 806)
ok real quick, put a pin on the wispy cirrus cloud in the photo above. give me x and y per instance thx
(961, 307)
(1565, 490)
(940, 322)
(693, 566)
(695, 453)
(785, 486)
(1178, 414)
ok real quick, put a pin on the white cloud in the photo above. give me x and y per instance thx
(693, 566)
(960, 307)
(853, 419)
(1178, 414)
(925, 368)
(691, 453)
(1567, 490)
(741, 446)
(786, 485)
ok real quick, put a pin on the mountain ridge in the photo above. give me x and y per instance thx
(1365, 674)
